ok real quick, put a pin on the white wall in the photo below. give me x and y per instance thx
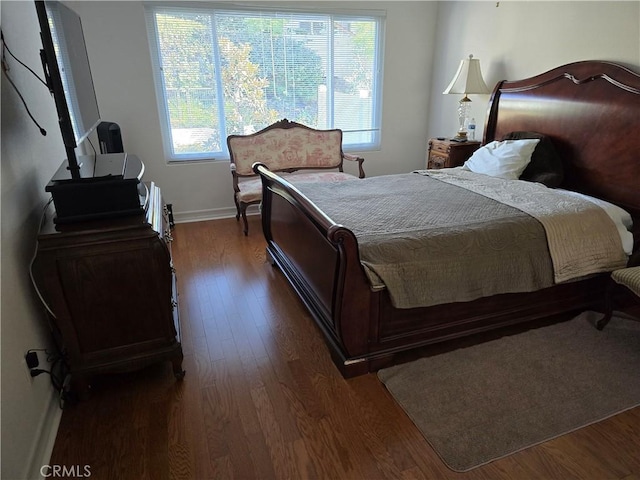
(121, 67)
(513, 40)
(30, 414)
(520, 39)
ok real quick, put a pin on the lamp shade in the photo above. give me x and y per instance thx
(468, 78)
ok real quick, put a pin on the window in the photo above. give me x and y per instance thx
(223, 71)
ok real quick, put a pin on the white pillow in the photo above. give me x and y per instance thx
(506, 159)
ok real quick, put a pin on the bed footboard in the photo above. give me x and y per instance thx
(320, 260)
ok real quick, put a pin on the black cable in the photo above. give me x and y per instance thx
(95, 156)
(37, 371)
(58, 374)
(94, 148)
(56, 382)
(42, 130)
(6, 47)
(6, 74)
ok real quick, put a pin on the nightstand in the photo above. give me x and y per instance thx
(446, 154)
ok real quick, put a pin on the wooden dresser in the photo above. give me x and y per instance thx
(110, 290)
(444, 153)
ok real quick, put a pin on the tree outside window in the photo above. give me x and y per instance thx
(236, 72)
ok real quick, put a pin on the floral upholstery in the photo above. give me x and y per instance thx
(297, 152)
(281, 149)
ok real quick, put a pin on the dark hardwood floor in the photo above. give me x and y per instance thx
(261, 398)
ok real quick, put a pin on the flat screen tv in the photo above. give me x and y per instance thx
(84, 187)
(68, 76)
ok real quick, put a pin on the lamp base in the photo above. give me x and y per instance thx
(460, 137)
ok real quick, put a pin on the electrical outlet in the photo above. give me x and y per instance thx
(32, 359)
(32, 362)
(26, 369)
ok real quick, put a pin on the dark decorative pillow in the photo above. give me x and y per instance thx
(546, 165)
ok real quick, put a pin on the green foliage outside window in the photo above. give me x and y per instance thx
(265, 65)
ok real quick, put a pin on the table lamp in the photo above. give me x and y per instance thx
(467, 80)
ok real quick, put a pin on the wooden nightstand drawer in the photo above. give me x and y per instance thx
(448, 154)
(440, 146)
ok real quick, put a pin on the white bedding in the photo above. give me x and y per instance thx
(621, 218)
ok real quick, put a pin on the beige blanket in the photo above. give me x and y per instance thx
(581, 236)
(429, 241)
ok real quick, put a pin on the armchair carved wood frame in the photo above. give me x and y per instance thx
(295, 151)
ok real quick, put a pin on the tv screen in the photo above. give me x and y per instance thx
(68, 74)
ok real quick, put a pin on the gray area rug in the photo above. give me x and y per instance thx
(484, 402)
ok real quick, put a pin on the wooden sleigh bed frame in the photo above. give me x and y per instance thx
(591, 112)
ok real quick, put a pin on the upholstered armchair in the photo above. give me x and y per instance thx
(292, 150)
(628, 279)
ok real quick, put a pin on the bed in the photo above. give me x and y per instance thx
(588, 110)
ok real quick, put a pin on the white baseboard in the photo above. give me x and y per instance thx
(211, 214)
(48, 431)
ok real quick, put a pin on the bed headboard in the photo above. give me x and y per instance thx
(591, 112)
